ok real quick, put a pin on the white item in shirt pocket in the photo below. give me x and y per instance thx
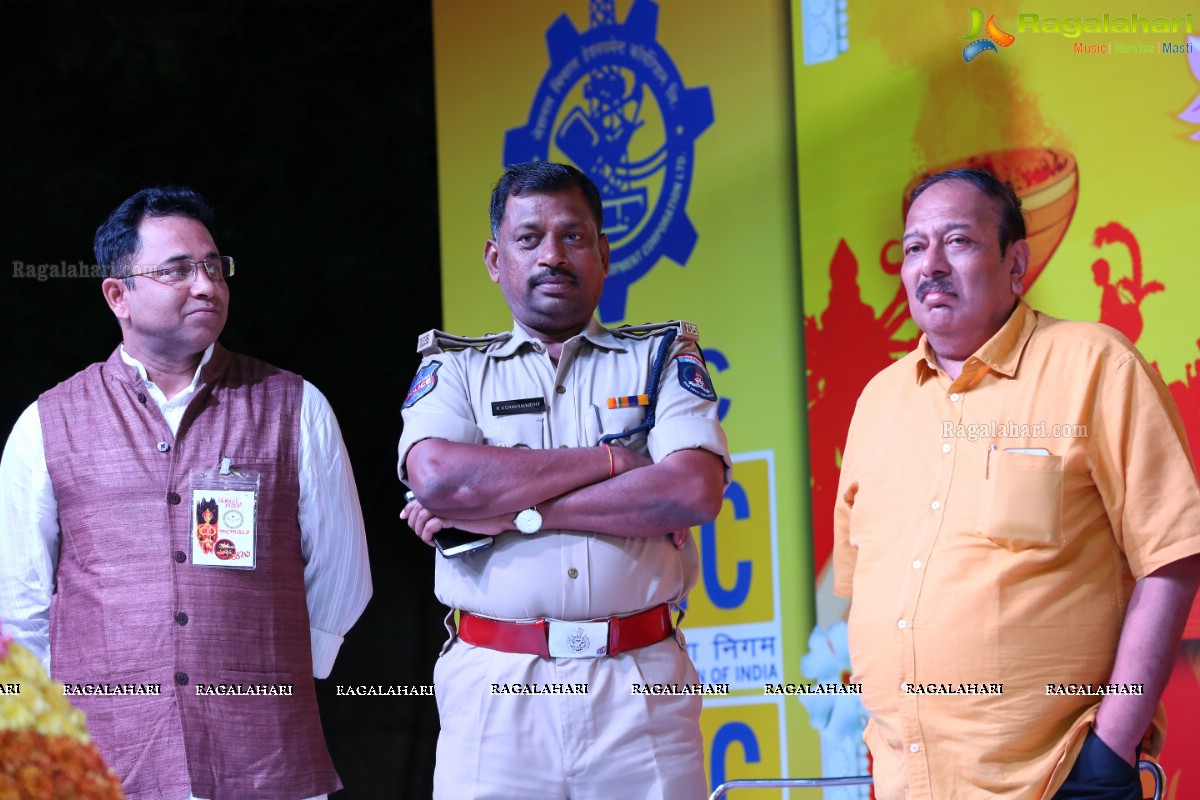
(523, 430)
(1023, 499)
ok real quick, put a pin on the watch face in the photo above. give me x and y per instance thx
(528, 521)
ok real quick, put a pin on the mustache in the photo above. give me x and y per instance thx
(941, 285)
(552, 273)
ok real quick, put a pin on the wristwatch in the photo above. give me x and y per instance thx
(528, 521)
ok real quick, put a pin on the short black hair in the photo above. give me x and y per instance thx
(117, 238)
(1012, 218)
(539, 177)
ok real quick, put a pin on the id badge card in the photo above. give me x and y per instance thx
(224, 517)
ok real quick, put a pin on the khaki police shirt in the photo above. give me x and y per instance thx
(572, 575)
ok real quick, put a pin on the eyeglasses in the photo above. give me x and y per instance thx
(183, 271)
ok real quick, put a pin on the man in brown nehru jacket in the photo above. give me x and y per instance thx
(183, 543)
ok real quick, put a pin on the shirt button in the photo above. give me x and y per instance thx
(163, 447)
(173, 498)
(954, 399)
(573, 573)
(917, 564)
(560, 389)
(904, 688)
(946, 448)
(914, 748)
(181, 678)
(902, 624)
(179, 557)
(935, 505)
(181, 618)
(562, 447)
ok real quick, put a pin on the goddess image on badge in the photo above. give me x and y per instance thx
(225, 549)
(206, 524)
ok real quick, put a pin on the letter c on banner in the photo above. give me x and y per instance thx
(720, 596)
(726, 735)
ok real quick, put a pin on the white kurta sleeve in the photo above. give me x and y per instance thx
(29, 537)
(337, 574)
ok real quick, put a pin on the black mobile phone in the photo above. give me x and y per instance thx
(452, 543)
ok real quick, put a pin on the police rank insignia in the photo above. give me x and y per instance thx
(423, 383)
(694, 377)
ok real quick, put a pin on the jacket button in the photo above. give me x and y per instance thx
(163, 447)
(141, 398)
(560, 389)
(173, 498)
(181, 618)
(179, 557)
(181, 678)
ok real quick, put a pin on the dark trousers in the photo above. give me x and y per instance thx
(1100, 774)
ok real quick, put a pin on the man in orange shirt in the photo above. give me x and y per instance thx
(1018, 526)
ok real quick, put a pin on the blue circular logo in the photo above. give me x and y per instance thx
(613, 104)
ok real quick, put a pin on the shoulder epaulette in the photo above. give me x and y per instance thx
(435, 341)
(685, 331)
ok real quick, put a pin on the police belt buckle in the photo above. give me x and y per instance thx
(577, 639)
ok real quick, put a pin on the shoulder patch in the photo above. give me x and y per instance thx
(694, 377)
(685, 331)
(423, 383)
(435, 341)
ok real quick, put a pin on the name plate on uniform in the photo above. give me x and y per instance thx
(529, 405)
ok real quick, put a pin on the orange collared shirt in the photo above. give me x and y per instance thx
(971, 564)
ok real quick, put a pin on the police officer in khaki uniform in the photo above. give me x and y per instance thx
(587, 454)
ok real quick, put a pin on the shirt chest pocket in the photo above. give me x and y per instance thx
(519, 430)
(1022, 503)
(610, 421)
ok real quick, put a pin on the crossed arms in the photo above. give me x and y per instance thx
(480, 488)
